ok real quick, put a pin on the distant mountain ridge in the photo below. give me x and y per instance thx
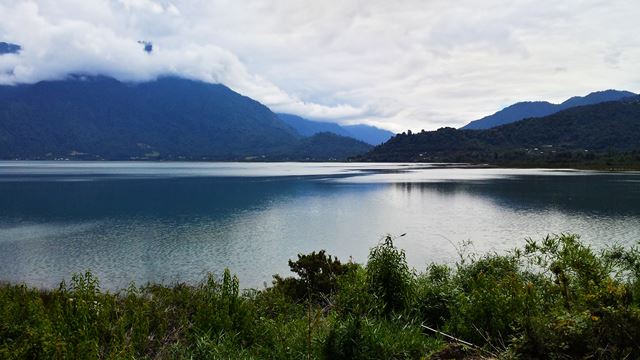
(166, 119)
(327, 146)
(532, 109)
(9, 48)
(575, 134)
(365, 133)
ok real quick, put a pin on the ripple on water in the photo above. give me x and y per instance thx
(176, 222)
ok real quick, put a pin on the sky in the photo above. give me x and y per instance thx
(402, 64)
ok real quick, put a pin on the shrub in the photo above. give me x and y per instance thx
(556, 298)
(370, 338)
(488, 300)
(434, 294)
(353, 297)
(318, 274)
(389, 277)
(587, 307)
(218, 307)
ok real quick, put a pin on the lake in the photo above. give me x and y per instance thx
(167, 222)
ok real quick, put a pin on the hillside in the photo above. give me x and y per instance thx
(166, 119)
(369, 134)
(529, 109)
(366, 133)
(327, 146)
(576, 134)
(306, 127)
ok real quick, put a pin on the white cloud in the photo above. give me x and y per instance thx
(404, 64)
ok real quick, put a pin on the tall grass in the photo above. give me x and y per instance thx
(555, 298)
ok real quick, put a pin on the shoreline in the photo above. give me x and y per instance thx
(569, 304)
(433, 165)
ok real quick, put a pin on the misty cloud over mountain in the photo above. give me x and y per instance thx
(409, 64)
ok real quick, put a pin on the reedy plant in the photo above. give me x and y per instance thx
(389, 278)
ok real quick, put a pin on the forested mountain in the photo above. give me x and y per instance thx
(581, 132)
(170, 118)
(327, 146)
(529, 109)
(366, 133)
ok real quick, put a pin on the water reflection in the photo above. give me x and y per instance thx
(589, 195)
(175, 226)
(157, 198)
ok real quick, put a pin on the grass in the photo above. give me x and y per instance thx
(556, 298)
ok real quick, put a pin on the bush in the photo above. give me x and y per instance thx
(434, 294)
(353, 297)
(370, 338)
(586, 308)
(551, 299)
(318, 274)
(488, 300)
(389, 278)
(218, 307)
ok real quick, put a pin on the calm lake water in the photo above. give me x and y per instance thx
(135, 221)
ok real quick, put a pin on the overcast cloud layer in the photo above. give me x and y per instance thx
(402, 64)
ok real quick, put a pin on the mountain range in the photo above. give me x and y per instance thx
(532, 109)
(575, 134)
(95, 117)
(166, 119)
(366, 133)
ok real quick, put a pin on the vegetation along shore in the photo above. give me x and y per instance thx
(554, 298)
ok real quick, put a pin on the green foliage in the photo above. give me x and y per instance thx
(219, 307)
(318, 276)
(597, 136)
(370, 338)
(586, 308)
(389, 277)
(353, 297)
(434, 292)
(626, 266)
(488, 300)
(556, 298)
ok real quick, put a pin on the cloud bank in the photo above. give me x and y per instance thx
(407, 64)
